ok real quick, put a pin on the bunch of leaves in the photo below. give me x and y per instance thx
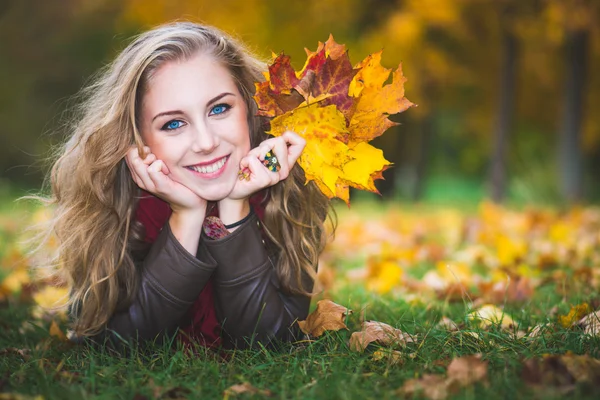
(338, 109)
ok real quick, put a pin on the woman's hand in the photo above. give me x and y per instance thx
(287, 148)
(152, 175)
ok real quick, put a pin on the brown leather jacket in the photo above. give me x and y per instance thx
(248, 300)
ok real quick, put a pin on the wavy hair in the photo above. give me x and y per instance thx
(95, 198)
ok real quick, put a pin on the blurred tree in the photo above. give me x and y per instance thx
(47, 53)
(506, 99)
(578, 19)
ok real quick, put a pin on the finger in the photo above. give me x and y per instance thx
(296, 145)
(130, 159)
(156, 174)
(141, 171)
(280, 150)
(261, 176)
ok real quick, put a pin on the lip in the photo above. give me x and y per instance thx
(209, 175)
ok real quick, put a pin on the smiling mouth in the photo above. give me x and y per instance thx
(210, 168)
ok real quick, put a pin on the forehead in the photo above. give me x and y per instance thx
(181, 83)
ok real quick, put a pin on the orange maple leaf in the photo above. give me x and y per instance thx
(338, 109)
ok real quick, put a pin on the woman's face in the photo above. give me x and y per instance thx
(194, 119)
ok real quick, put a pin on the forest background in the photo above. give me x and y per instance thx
(506, 89)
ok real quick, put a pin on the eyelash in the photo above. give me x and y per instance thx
(226, 107)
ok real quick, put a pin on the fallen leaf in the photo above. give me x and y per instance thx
(561, 372)
(245, 387)
(379, 332)
(590, 323)
(431, 386)
(55, 331)
(393, 357)
(447, 324)
(575, 314)
(490, 315)
(468, 370)
(328, 316)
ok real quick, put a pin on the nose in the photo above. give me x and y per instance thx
(205, 140)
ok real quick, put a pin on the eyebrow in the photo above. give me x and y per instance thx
(179, 112)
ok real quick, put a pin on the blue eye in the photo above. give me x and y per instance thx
(173, 124)
(219, 109)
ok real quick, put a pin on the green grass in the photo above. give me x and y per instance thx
(324, 368)
(321, 369)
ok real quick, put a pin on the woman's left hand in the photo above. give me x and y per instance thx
(287, 148)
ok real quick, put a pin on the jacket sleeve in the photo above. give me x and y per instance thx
(170, 281)
(249, 302)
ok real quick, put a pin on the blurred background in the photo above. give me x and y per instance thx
(507, 90)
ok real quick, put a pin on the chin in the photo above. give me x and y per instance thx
(217, 194)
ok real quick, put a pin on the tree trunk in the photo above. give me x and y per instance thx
(504, 116)
(422, 164)
(569, 151)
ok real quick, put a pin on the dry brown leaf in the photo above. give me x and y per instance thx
(245, 387)
(463, 371)
(433, 387)
(447, 324)
(374, 331)
(590, 323)
(561, 372)
(468, 370)
(328, 316)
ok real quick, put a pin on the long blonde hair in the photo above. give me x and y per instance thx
(95, 198)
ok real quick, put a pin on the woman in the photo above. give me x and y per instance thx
(166, 139)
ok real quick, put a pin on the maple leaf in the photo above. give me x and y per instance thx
(338, 109)
(374, 331)
(328, 316)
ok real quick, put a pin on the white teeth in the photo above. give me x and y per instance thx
(210, 168)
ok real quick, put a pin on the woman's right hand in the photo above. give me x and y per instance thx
(152, 175)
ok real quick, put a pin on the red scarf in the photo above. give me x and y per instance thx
(203, 328)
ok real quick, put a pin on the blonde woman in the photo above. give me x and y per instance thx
(157, 231)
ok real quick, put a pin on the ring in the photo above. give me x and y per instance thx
(271, 162)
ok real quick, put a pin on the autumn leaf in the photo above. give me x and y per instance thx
(379, 332)
(338, 109)
(560, 372)
(575, 314)
(245, 388)
(447, 324)
(431, 386)
(328, 316)
(490, 315)
(393, 357)
(462, 372)
(56, 332)
(590, 323)
(468, 370)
